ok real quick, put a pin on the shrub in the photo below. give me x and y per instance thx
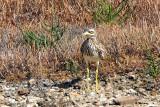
(102, 12)
(54, 32)
(72, 66)
(153, 65)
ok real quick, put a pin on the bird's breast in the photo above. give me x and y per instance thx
(92, 58)
(91, 50)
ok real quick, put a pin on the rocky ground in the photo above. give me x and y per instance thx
(129, 90)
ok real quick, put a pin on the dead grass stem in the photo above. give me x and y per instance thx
(125, 45)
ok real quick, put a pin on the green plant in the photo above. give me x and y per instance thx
(32, 39)
(55, 29)
(103, 12)
(153, 65)
(72, 66)
(52, 37)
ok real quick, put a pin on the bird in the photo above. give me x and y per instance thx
(92, 51)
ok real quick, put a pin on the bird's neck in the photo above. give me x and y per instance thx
(93, 38)
(88, 37)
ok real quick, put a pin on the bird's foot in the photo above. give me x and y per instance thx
(96, 89)
(88, 89)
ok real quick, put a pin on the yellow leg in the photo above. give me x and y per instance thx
(87, 79)
(96, 78)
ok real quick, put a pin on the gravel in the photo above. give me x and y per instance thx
(126, 89)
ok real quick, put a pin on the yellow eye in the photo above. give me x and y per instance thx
(91, 32)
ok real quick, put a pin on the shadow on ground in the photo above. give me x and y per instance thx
(67, 84)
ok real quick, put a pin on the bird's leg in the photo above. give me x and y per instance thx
(88, 78)
(96, 78)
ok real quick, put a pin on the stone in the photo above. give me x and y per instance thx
(136, 85)
(47, 83)
(125, 100)
(103, 99)
(24, 91)
(88, 105)
(77, 104)
(47, 99)
(54, 89)
(32, 82)
(132, 77)
(158, 98)
(3, 81)
(4, 105)
(18, 98)
(116, 95)
(92, 93)
(108, 95)
(11, 100)
(142, 91)
(32, 105)
(22, 101)
(75, 96)
(153, 93)
(142, 101)
(6, 88)
(33, 99)
(152, 105)
(43, 93)
(25, 84)
(110, 101)
(131, 91)
(120, 88)
(2, 97)
(2, 102)
(1, 89)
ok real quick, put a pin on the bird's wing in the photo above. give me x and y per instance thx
(100, 51)
(99, 48)
(86, 48)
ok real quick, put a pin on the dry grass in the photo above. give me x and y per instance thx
(126, 45)
(31, 12)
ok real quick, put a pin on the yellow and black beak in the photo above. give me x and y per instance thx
(85, 34)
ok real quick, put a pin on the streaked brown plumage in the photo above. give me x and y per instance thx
(91, 47)
(92, 51)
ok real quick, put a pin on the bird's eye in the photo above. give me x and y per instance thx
(91, 32)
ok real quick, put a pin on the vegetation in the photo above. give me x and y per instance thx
(60, 46)
(153, 65)
(103, 11)
(52, 38)
(72, 66)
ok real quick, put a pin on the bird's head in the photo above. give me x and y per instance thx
(90, 33)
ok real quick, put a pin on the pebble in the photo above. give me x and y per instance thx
(34, 99)
(153, 93)
(6, 88)
(2, 97)
(11, 100)
(131, 91)
(132, 77)
(4, 105)
(32, 105)
(25, 91)
(32, 82)
(103, 99)
(92, 93)
(120, 90)
(1, 89)
(122, 100)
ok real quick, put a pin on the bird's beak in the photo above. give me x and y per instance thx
(81, 35)
(84, 34)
